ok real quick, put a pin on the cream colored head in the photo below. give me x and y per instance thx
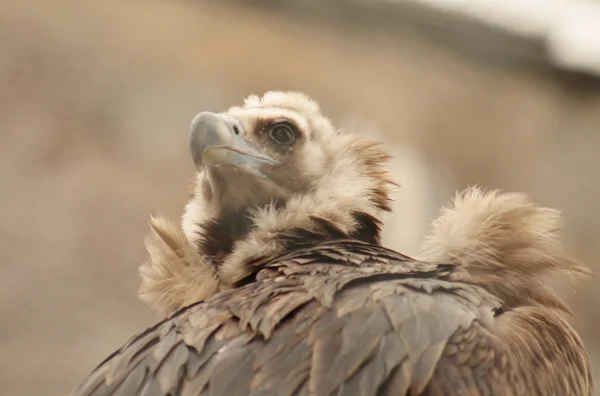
(274, 165)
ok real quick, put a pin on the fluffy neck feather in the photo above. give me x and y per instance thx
(214, 252)
(349, 201)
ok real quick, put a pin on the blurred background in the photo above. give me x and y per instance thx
(96, 99)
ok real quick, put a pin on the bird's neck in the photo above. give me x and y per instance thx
(218, 235)
(213, 250)
(236, 243)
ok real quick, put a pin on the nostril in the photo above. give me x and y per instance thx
(236, 130)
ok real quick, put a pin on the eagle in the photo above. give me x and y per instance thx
(276, 281)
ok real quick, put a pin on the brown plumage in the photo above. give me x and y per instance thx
(276, 283)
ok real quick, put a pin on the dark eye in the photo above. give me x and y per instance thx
(282, 133)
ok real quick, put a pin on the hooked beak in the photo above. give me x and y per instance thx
(217, 140)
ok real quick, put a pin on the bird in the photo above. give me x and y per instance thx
(275, 282)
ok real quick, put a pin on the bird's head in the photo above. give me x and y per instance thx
(258, 154)
(274, 172)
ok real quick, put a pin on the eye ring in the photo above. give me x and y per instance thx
(282, 133)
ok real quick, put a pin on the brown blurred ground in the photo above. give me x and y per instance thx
(95, 101)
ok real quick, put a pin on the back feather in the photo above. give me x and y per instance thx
(504, 242)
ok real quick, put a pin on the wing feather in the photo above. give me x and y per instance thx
(380, 323)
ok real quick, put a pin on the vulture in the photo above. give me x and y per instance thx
(276, 282)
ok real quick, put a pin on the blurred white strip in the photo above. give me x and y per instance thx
(570, 28)
(575, 42)
(528, 18)
(414, 204)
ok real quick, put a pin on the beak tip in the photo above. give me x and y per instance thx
(206, 129)
(201, 120)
